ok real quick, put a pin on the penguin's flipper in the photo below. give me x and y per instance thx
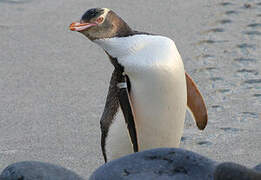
(110, 109)
(126, 107)
(196, 104)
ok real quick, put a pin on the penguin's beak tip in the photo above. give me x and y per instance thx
(72, 26)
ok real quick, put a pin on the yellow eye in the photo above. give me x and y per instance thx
(99, 20)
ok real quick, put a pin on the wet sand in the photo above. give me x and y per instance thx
(54, 82)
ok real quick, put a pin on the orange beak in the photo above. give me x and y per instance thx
(76, 26)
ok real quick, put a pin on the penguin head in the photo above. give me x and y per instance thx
(100, 23)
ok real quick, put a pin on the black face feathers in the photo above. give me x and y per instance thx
(92, 13)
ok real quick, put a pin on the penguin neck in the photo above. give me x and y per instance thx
(118, 47)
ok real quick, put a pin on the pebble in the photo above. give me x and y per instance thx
(34, 170)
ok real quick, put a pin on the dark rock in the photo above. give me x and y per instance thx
(232, 171)
(155, 164)
(158, 164)
(33, 170)
(258, 167)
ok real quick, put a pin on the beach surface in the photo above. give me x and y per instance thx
(53, 82)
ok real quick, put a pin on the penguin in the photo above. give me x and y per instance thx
(149, 85)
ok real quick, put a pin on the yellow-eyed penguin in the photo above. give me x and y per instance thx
(148, 83)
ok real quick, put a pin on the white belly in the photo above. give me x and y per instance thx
(159, 100)
(159, 106)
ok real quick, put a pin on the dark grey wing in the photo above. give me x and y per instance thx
(126, 107)
(115, 97)
(110, 109)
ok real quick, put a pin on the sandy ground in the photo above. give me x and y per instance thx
(53, 82)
